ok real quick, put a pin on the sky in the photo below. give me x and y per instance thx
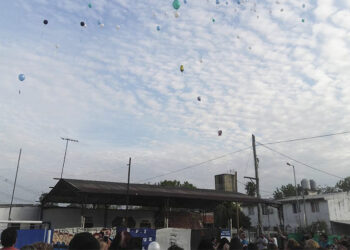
(275, 69)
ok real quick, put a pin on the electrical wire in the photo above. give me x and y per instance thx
(194, 165)
(302, 163)
(305, 138)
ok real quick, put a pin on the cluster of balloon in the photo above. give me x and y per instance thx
(219, 132)
(154, 246)
(82, 24)
(199, 98)
(182, 68)
(45, 22)
(176, 4)
(158, 27)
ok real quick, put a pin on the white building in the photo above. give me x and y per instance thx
(333, 209)
(269, 215)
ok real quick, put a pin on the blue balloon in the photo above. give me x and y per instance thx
(217, 2)
(185, 1)
(21, 77)
(158, 28)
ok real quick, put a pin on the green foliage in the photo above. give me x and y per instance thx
(328, 190)
(250, 188)
(317, 227)
(286, 191)
(228, 210)
(343, 185)
(176, 183)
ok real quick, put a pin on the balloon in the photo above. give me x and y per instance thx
(176, 4)
(90, 5)
(154, 246)
(158, 27)
(117, 27)
(217, 1)
(45, 22)
(21, 77)
(185, 1)
(102, 25)
(199, 98)
(303, 20)
(213, 20)
(182, 68)
(282, 10)
(177, 14)
(238, 2)
(303, 5)
(82, 24)
(219, 132)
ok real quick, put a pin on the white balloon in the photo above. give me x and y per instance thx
(154, 246)
(117, 27)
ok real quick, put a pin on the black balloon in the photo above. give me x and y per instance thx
(199, 98)
(219, 132)
(45, 22)
(82, 24)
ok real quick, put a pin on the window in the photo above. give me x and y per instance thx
(88, 223)
(295, 206)
(267, 210)
(251, 210)
(314, 207)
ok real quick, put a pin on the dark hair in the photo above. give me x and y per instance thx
(175, 247)
(82, 241)
(8, 237)
(28, 247)
(252, 246)
(123, 240)
(235, 244)
(205, 244)
(223, 241)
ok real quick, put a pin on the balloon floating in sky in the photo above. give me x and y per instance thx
(303, 5)
(217, 1)
(199, 98)
(154, 246)
(82, 24)
(182, 68)
(303, 20)
(158, 27)
(45, 22)
(117, 27)
(213, 20)
(21, 77)
(90, 5)
(219, 132)
(176, 4)
(185, 1)
(282, 10)
(238, 2)
(176, 14)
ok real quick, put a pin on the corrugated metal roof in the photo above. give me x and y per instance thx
(102, 192)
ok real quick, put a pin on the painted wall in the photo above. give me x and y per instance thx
(20, 213)
(270, 220)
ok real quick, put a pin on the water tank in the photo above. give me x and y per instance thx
(313, 185)
(305, 184)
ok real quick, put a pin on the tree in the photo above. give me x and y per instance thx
(328, 190)
(286, 191)
(176, 183)
(250, 188)
(343, 185)
(226, 211)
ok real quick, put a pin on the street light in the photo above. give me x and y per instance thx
(296, 192)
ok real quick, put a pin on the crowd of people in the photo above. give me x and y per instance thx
(124, 241)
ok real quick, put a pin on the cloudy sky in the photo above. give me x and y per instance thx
(276, 69)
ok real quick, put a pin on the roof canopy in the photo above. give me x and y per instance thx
(114, 193)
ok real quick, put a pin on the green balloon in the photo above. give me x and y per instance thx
(90, 5)
(176, 4)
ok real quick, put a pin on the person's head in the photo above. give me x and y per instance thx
(121, 240)
(28, 247)
(293, 244)
(311, 244)
(84, 241)
(235, 244)
(205, 244)
(42, 246)
(272, 246)
(8, 237)
(323, 237)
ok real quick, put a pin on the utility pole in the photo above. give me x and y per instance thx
(237, 205)
(14, 184)
(296, 193)
(65, 152)
(256, 163)
(127, 194)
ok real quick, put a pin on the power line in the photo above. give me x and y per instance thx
(305, 138)
(304, 164)
(194, 165)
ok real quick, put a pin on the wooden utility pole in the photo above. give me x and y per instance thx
(14, 184)
(256, 165)
(237, 205)
(127, 195)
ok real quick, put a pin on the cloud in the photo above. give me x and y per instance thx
(121, 94)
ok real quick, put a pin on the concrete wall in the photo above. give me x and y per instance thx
(339, 206)
(20, 212)
(71, 217)
(291, 220)
(270, 220)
